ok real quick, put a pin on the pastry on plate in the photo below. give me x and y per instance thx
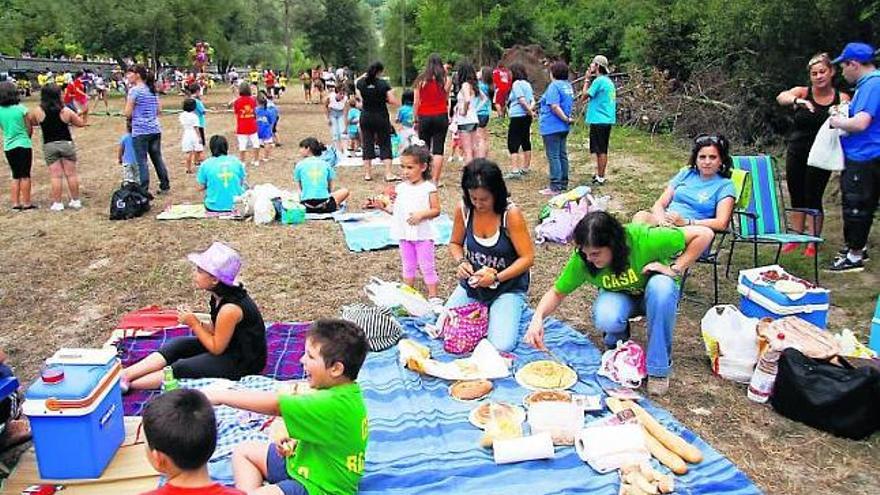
(470, 389)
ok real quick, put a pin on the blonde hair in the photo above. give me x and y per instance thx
(820, 58)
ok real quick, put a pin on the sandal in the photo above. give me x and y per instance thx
(29, 207)
(16, 207)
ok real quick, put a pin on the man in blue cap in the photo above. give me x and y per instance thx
(860, 180)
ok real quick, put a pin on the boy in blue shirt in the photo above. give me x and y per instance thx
(601, 113)
(354, 125)
(222, 177)
(406, 119)
(266, 117)
(126, 158)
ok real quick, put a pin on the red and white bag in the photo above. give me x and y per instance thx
(625, 364)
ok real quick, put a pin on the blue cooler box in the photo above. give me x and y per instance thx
(759, 299)
(77, 424)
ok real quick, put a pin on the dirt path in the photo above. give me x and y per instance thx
(65, 278)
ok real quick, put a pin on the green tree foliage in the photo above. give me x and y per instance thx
(343, 34)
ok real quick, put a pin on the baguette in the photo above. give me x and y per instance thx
(666, 457)
(673, 442)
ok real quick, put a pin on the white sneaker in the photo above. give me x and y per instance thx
(75, 204)
(57, 207)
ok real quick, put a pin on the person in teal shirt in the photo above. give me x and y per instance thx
(635, 268)
(222, 177)
(314, 177)
(601, 113)
(17, 132)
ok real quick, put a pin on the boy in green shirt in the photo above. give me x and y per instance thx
(327, 428)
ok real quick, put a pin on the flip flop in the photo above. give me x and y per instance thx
(29, 207)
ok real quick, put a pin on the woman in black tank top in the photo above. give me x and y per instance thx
(810, 106)
(232, 345)
(55, 120)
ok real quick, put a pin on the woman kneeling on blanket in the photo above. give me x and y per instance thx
(491, 246)
(632, 266)
(231, 346)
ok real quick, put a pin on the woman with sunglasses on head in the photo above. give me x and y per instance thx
(635, 268)
(810, 107)
(701, 194)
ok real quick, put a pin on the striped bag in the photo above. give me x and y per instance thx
(380, 327)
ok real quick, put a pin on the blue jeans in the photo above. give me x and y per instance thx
(505, 313)
(152, 144)
(337, 125)
(557, 159)
(612, 310)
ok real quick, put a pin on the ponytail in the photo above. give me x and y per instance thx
(315, 147)
(146, 76)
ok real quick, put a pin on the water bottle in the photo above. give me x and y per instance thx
(169, 383)
(761, 384)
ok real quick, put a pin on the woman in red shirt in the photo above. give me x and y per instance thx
(430, 105)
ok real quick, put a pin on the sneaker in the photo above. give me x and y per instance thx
(160, 192)
(57, 207)
(810, 250)
(598, 180)
(790, 247)
(844, 264)
(548, 192)
(658, 385)
(845, 250)
(75, 204)
(514, 174)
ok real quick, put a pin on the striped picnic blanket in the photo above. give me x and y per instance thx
(422, 443)
(285, 345)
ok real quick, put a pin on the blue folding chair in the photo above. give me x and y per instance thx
(764, 221)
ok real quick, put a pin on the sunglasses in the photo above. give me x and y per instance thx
(707, 139)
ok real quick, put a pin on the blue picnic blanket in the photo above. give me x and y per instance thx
(422, 443)
(372, 231)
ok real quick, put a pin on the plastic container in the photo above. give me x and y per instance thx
(759, 299)
(562, 420)
(874, 341)
(761, 386)
(77, 422)
(293, 216)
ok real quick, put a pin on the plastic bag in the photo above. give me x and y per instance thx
(559, 225)
(826, 152)
(393, 295)
(625, 364)
(731, 342)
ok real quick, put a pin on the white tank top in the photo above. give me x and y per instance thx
(471, 116)
(335, 103)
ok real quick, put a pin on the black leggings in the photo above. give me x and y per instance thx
(20, 160)
(518, 135)
(190, 359)
(375, 129)
(806, 184)
(432, 130)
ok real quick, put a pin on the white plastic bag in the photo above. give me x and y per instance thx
(393, 294)
(731, 342)
(826, 152)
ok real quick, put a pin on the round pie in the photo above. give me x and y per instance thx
(547, 396)
(470, 389)
(481, 414)
(546, 375)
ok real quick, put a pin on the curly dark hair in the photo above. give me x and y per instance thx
(486, 174)
(600, 229)
(721, 144)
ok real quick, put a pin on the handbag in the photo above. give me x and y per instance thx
(464, 327)
(841, 400)
(380, 327)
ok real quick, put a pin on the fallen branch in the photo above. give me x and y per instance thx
(707, 101)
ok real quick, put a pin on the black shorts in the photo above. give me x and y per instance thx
(432, 130)
(20, 160)
(376, 131)
(518, 134)
(320, 205)
(484, 121)
(599, 136)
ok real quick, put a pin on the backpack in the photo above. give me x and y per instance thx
(129, 201)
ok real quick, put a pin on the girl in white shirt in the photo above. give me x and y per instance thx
(190, 141)
(417, 203)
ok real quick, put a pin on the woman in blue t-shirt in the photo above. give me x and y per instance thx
(701, 194)
(555, 121)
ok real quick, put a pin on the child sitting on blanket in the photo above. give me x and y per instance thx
(327, 428)
(417, 203)
(313, 178)
(222, 177)
(231, 345)
(181, 435)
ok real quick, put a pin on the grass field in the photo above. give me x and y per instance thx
(65, 278)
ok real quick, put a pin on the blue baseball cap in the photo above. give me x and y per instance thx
(860, 52)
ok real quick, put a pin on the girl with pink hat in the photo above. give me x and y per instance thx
(231, 346)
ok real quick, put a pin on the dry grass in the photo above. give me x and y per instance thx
(65, 278)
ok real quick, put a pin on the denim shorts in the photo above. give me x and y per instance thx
(276, 467)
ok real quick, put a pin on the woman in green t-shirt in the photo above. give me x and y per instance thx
(16, 127)
(632, 266)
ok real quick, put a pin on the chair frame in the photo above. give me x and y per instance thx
(754, 237)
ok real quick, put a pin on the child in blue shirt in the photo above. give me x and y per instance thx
(354, 125)
(406, 119)
(313, 178)
(126, 157)
(195, 92)
(266, 118)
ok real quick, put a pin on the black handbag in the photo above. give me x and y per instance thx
(841, 400)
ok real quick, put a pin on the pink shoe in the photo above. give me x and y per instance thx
(810, 250)
(790, 247)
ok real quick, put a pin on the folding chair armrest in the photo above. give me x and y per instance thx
(746, 213)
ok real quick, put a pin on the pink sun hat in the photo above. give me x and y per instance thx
(219, 260)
